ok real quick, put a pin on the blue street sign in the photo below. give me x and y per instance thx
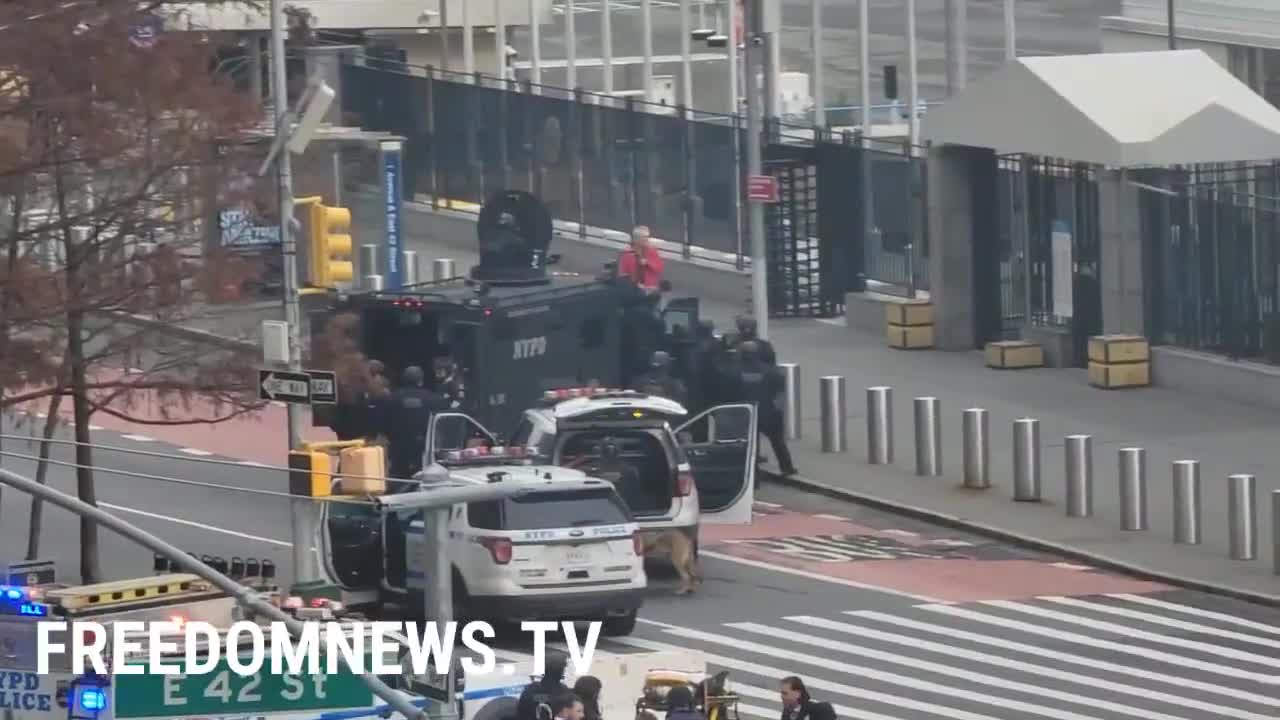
(393, 195)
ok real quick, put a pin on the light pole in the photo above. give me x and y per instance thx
(1173, 35)
(754, 51)
(819, 93)
(303, 567)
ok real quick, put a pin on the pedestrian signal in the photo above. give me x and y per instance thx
(310, 473)
(331, 246)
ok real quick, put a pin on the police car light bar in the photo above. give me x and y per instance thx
(23, 601)
(563, 394)
(488, 455)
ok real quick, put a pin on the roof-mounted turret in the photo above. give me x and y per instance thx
(514, 232)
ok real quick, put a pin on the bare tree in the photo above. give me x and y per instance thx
(118, 144)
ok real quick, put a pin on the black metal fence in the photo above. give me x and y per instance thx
(614, 163)
(1212, 236)
(600, 161)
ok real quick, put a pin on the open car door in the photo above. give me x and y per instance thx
(454, 431)
(350, 534)
(723, 460)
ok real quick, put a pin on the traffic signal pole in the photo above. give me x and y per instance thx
(303, 530)
(754, 51)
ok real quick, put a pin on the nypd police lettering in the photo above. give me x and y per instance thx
(530, 347)
(23, 691)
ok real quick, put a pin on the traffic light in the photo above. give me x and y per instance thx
(331, 245)
(310, 473)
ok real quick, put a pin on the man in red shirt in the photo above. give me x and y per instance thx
(641, 262)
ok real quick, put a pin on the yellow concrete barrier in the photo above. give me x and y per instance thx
(1014, 354)
(1119, 361)
(909, 325)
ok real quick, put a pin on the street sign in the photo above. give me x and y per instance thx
(290, 387)
(762, 188)
(222, 693)
(324, 387)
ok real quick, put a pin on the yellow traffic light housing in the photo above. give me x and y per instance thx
(310, 473)
(331, 245)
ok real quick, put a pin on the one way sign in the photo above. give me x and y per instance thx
(290, 387)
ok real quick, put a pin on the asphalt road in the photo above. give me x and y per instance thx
(884, 617)
(1045, 27)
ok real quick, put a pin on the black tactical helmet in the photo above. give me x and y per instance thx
(659, 360)
(442, 364)
(555, 667)
(412, 376)
(746, 326)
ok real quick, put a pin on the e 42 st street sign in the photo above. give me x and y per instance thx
(223, 692)
(299, 388)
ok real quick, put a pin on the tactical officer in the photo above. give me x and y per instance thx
(535, 701)
(659, 380)
(411, 407)
(748, 331)
(763, 385)
(449, 384)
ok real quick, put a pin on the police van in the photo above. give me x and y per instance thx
(567, 548)
(672, 470)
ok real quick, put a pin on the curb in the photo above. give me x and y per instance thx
(952, 521)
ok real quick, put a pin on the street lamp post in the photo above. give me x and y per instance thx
(303, 567)
(754, 50)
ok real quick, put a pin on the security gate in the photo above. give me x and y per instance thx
(800, 283)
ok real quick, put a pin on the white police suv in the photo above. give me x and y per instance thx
(673, 471)
(564, 548)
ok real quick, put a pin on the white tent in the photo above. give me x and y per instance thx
(1175, 107)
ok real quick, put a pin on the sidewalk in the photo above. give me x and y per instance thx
(1226, 438)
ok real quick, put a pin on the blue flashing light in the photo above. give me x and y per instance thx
(13, 593)
(93, 699)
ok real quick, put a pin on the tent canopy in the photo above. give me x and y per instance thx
(1142, 109)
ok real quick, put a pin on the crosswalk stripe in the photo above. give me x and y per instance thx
(958, 673)
(1137, 634)
(872, 673)
(816, 684)
(1029, 668)
(751, 691)
(1190, 610)
(1127, 649)
(1160, 620)
(947, 631)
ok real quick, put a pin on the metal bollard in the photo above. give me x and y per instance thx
(369, 260)
(1079, 452)
(791, 389)
(1133, 489)
(880, 426)
(832, 400)
(928, 437)
(1275, 531)
(442, 269)
(373, 283)
(410, 268)
(977, 447)
(1026, 460)
(1186, 502)
(1242, 516)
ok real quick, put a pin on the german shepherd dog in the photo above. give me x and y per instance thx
(677, 546)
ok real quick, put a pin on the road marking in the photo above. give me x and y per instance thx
(770, 505)
(192, 523)
(998, 661)
(837, 518)
(1137, 634)
(813, 683)
(1166, 622)
(96, 428)
(138, 438)
(951, 543)
(1070, 566)
(832, 321)
(252, 463)
(193, 451)
(955, 673)
(1089, 662)
(813, 576)
(901, 533)
(1190, 610)
(1128, 649)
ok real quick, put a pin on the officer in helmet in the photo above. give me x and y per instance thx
(411, 407)
(762, 384)
(748, 331)
(535, 701)
(660, 381)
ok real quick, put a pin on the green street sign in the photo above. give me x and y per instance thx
(223, 692)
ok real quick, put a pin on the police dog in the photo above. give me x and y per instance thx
(677, 546)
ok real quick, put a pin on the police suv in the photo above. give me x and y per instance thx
(673, 471)
(566, 548)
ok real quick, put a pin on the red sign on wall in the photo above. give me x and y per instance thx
(762, 188)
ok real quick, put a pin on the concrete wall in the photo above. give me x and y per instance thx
(423, 50)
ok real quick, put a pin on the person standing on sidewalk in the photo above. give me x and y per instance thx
(641, 263)
(763, 385)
